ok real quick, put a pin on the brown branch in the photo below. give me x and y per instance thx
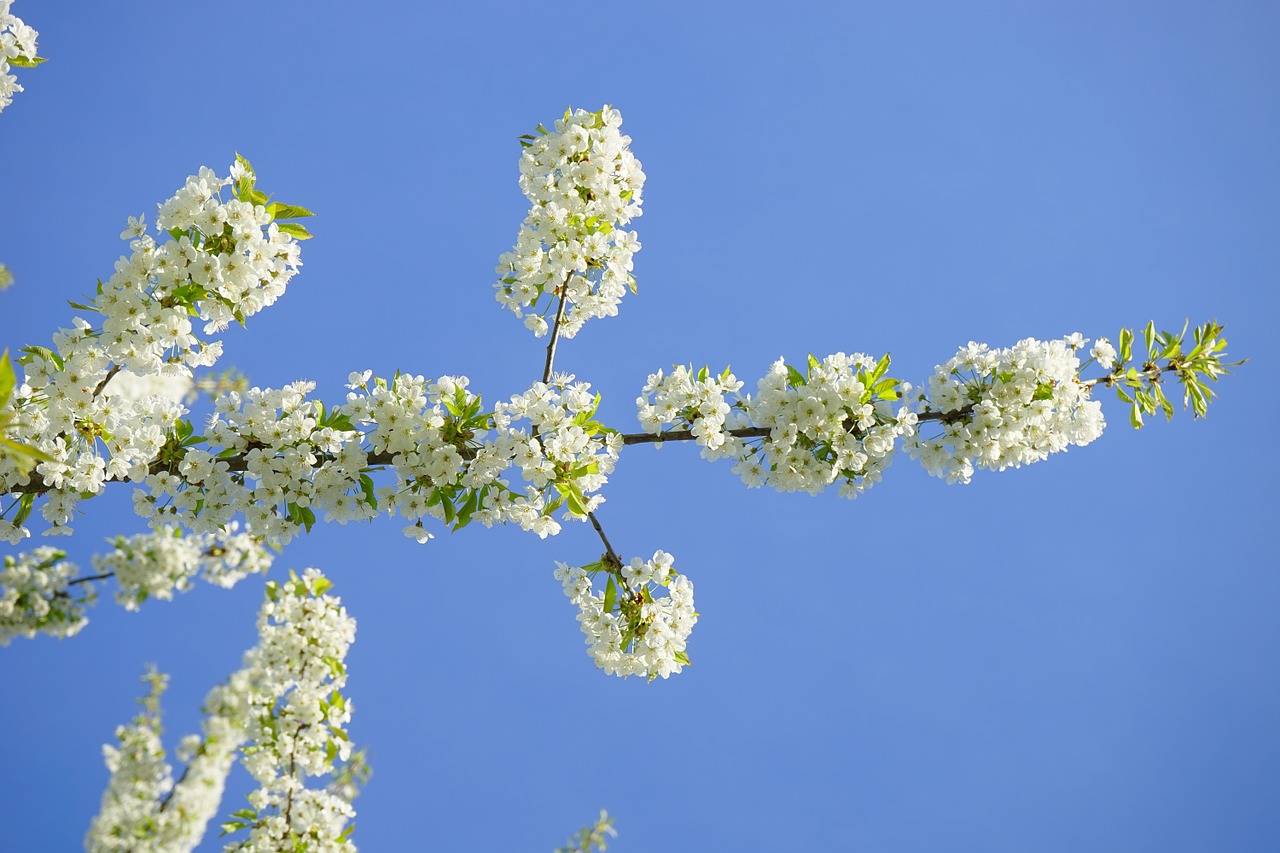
(614, 560)
(164, 803)
(115, 368)
(555, 330)
(89, 578)
(762, 432)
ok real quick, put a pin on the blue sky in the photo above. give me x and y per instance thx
(1080, 655)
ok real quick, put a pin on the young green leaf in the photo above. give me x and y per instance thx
(294, 230)
(610, 595)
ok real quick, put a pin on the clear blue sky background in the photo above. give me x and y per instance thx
(1081, 655)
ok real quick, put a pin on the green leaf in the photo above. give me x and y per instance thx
(24, 457)
(1135, 416)
(1149, 334)
(464, 514)
(683, 658)
(43, 352)
(21, 61)
(881, 367)
(1198, 398)
(610, 595)
(8, 379)
(25, 504)
(1126, 345)
(573, 497)
(1158, 400)
(885, 389)
(295, 230)
(321, 585)
(795, 377)
(279, 210)
(366, 488)
(301, 515)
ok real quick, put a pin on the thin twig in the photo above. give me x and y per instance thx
(608, 549)
(555, 330)
(115, 368)
(91, 578)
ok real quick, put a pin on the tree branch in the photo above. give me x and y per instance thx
(555, 330)
(91, 578)
(762, 432)
(616, 562)
(115, 368)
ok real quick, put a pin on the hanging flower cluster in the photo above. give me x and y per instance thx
(585, 185)
(1003, 408)
(629, 630)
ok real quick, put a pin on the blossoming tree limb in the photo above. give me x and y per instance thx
(104, 405)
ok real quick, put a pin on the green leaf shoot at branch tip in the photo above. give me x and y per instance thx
(1140, 386)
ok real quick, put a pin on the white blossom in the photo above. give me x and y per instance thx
(17, 40)
(37, 596)
(1006, 408)
(283, 713)
(833, 423)
(585, 185)
(629, 630)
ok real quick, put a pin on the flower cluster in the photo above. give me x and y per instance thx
(161, 562)
(40, 593)
(296, 720)
(279, 457)
(143, 810)
(694, 399)
(629, 630)
(1004, 408)
(17, 48)
(223, 260)
(800, 432)
(585, 185)
(282, 711)
(36, 596)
